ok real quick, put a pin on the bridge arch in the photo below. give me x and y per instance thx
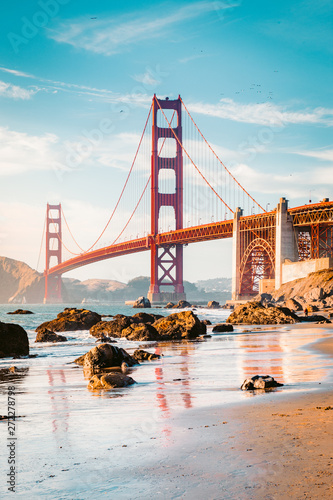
(258, 262)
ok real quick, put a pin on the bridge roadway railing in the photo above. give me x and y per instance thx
(217, 230)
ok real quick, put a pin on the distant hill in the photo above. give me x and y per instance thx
(20, 283)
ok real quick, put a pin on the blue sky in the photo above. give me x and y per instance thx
(256, 76)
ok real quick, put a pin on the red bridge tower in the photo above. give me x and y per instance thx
(166, 261)
(53, 249)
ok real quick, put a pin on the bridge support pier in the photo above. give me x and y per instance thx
(236, 255)
(286, 246)
(53, 250)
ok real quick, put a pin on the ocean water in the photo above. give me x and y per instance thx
(71, 441)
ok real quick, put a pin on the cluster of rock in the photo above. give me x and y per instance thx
(259, 382)
(20, 311)
(106, 365)
(313, 293)
(71, 319)
(183, 304)
(256, 313)
(144, 326)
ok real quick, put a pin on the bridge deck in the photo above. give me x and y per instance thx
(302, 216)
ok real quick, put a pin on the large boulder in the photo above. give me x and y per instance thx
(181, 304)
(13, 340)
(212, 304)
(45, 335)
(316, 293)
(259, 382)
(71, 319)
(112, 328)
(141, 331)
(169, 305)
(143, 317)
(293, 305)
(178, 326)
(142, 302)
(222, 327)
(20, 311)
(141, 355)
(254, 313)
(109, 381)
(105, 356)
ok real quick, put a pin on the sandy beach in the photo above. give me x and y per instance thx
(185, 430)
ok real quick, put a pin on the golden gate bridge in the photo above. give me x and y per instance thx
(178, 191)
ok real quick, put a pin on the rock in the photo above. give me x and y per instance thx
(143, 317)
(45, 335)
(315, 318)
(178, 326)
(13, 340)
(254, 313)
(71, 319)
(213, 305)
(142, 302)
(314, 294)
(105, 356)
(293, 305)
(181, 304)
(259, 382)
(312, 308)
(169, 305)
(110, 381)
(111, 328)
(223, 327)
(141, 331)
(141, 355)
(206, 322)
(20, 311)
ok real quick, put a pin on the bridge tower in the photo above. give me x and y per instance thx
(166, 262)
(53, 249)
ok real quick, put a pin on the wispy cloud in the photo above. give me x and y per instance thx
(21, 152)
(54, 86)
(147, 79)
(262, 113)
(113, 35)
(321, 154)
(15, 92)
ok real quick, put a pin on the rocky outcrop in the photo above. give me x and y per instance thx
(169, 305)
(111, 328)
(293, 305)
(141, 355)
(140, 331)
(142, 302)
(71, 319)
(109, 381)
(178, 326)
(20, 282)
(20, 311)
(254, 313)
(259, 382)
(105, 356)
(181, 304)
(13, 340)
(143, 317)
(45, 335)
(212, 304)
(222, 327)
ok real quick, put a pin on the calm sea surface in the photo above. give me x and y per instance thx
(70, 441)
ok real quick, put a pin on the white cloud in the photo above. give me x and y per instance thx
(262, 114)
(15, 92)
(113, 35)
(324, 154)
(21, 152)
(16, 72)
(147, 79)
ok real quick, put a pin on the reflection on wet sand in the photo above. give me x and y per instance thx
(281, 356)
(59, 404)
